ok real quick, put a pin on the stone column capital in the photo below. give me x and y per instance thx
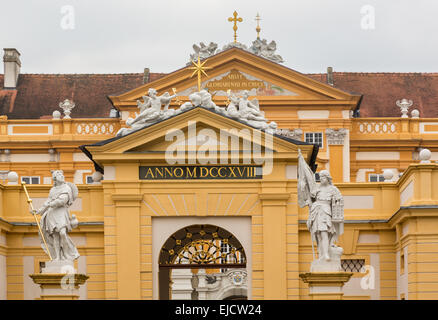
(274, 199)
(295, 134)
(335, 136)
(127, 200)
(326, 285)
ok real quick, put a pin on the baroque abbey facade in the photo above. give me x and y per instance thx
(146, 223)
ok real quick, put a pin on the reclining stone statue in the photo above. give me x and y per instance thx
(249, 112)
(150, 111)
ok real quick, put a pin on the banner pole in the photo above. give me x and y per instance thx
(29, 201)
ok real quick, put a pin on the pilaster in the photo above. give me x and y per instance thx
(274, 239)
(127, 212)
(335, 141)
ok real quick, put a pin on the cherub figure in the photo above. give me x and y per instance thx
(207, 99)
(247, 110)
(150, 109)
(262, 48)
(195, 101)
(203, 51)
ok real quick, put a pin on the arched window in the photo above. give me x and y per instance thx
(198, 247)
(201, 245)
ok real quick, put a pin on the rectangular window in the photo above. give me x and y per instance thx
(314, 138)
(31, 180)
(317, 177)
(402, 263)
(89, 179)
(352, 265)
(373, 177)
(225, 248)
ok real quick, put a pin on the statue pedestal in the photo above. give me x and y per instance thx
(326, 285)
(59, 281)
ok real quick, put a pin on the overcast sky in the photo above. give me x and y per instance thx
(126, 36)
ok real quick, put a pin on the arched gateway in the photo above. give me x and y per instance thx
(196, 248)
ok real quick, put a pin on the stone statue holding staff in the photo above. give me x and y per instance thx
(326, 215)
(55, 219)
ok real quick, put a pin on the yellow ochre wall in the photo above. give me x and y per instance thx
(119, 250)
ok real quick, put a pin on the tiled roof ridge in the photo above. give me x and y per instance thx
(84, 74)
(433, 74)
(379, 73)
(80, 74)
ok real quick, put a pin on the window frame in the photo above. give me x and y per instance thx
(379, 176)
(357, 257)
(30, 179)
(86, 179)
(313, 138)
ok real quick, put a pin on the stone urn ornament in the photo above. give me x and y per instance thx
(67, 106)
(404, 105)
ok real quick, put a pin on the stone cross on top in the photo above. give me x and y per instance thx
(235, 20)
(258, 29)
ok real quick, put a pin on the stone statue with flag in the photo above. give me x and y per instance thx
(326, 216)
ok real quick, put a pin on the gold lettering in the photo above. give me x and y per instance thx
(203, 169)
(157, 171)
(149, 172)
(196, 172)
(235, 80)
(232, 172)
(219, 171)
(211, 174)
(191, 174)
(180, 170)
(168, 172)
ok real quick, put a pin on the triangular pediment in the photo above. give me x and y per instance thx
(196, 131)
(238, 70)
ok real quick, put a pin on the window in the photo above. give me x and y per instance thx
(317, 177)
(30, 180)
(225, 248)
(402, 263)
(314, 137)
(352, 265)
(373, 177)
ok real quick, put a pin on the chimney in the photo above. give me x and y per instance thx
(146, 74)
(12, 66)
(330, 75)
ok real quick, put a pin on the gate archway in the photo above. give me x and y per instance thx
(198, 247)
